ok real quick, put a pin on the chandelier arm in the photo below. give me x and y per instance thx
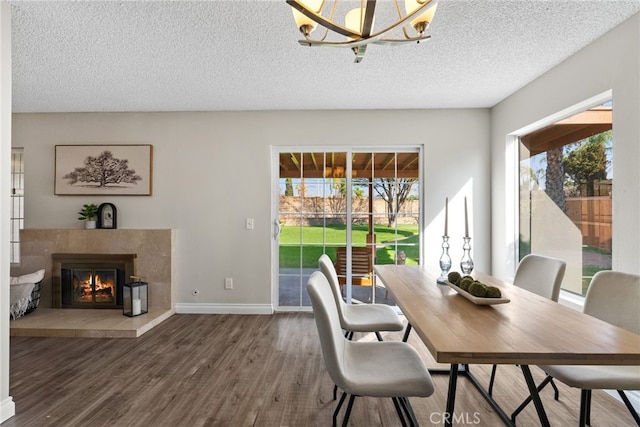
(359, 51)
(401, 41)
(361, 43)
(367, 24)
(398, 9)
(377, 39)
(338, 43)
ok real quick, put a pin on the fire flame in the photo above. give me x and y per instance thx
(104, 290)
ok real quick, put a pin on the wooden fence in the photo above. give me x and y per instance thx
(332, 210)
(592, 215)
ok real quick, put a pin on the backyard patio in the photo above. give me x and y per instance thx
(293, 290)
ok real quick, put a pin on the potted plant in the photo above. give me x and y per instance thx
(88, 214)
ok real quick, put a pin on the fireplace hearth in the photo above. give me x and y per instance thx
(90, 280)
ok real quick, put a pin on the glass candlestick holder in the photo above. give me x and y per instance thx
(466, 264)
(445, 261)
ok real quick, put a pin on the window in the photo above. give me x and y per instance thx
(17, 202)
(566, 182)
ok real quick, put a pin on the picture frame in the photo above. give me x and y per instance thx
(80, 170)
(107, 216)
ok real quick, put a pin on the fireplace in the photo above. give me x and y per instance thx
(91, 287)
(90, 280)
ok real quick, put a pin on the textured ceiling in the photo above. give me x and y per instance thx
(243, 55)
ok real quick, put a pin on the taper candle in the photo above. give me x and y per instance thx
(466, 219)
(446, 216)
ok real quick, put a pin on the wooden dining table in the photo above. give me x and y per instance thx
(527, 330)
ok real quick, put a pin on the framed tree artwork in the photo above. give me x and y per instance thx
(92, 170)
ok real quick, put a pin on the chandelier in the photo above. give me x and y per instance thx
(357, 31)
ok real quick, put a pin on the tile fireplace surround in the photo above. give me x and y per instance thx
(154, 262)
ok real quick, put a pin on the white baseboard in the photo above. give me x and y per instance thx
(205, 308)
(7, 409)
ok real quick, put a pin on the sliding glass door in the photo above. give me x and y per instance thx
(358, 207)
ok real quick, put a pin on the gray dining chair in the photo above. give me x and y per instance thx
(362, 368)
(359, 317)
(613, 297)
(543, 276)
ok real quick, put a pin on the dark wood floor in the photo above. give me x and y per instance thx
(235, 370)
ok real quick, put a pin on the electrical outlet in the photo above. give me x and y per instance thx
(249, 224)
(228, 283)
(195, 292)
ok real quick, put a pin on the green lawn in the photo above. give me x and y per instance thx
(304, 245)
(588, 271)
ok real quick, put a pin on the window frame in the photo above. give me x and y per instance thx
(17, 203)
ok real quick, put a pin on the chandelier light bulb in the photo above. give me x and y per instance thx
(353, 20)
(305, 24)
(421, 22)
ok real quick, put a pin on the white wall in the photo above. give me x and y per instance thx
(213, 169)
(7, 406)
(610, 63)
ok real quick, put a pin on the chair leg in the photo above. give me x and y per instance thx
(407, 331)
(335, 392)
(396, 404)
(378, 336)
(589, 409)
(492, 379)
(630, 407)
(556, 392)
(335, 413)
(345, 420)
(585, 408)
(413, 422)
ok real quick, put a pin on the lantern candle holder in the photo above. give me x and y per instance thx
(135, 298)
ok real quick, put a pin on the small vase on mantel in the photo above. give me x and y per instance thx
(90, 224)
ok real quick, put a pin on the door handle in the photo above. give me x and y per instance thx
(277, 229)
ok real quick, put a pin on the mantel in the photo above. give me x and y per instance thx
(84, 256)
